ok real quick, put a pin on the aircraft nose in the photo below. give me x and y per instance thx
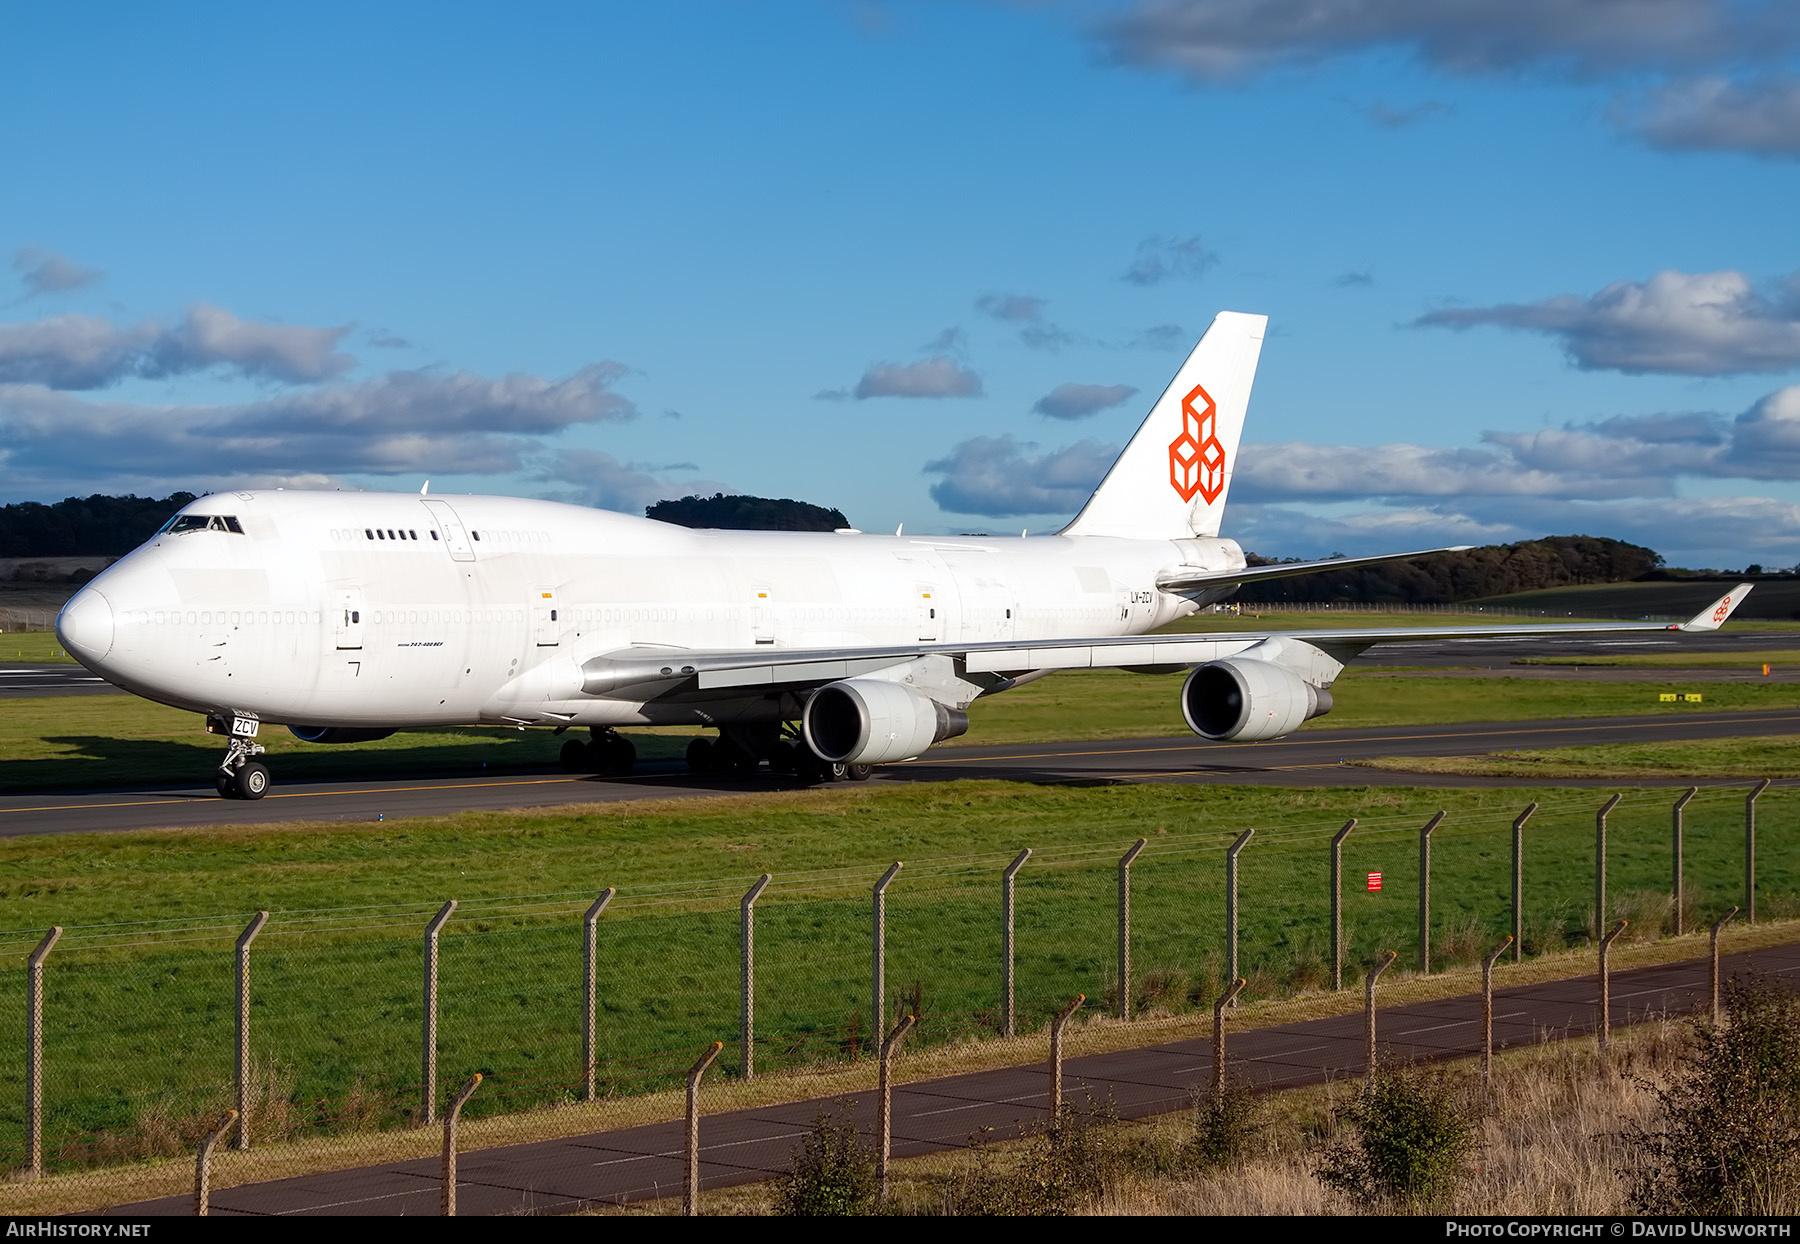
(85, 626)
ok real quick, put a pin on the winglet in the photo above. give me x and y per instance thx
(1714, 615)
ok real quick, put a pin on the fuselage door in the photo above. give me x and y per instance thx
(346, 618)
(762, 614)
(456, 539)
(544, 617)
(928, 612)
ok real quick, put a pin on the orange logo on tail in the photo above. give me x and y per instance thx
(1196, 457)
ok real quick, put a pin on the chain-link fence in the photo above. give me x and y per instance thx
(141, 1022)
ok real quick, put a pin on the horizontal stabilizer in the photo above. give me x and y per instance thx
(1181, 579)
(1713, 616)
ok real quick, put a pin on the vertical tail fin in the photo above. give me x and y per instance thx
(1172, 478)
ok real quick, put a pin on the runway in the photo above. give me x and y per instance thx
(1309, 758)
(21, 680)
(744, 1146)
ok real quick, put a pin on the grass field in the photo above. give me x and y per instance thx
(138, 996)
(1771, 757)
(32, 646)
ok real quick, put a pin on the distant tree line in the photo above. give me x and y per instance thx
(737, 513)
(1446, 578)
(84, 526)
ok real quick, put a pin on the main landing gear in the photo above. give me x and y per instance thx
(240, 775)
(608, 752)
(741, 753)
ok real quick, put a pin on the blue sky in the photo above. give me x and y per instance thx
(1530, 265)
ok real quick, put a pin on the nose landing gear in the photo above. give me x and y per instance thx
(240, 776)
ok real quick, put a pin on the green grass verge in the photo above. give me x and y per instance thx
(139, 1006)
(1771, 757)
(38, 646)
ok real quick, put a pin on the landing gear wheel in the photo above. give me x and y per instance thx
(252, 780)
(574, 756)
(837, 771)
(621, 754)
(700, 756)
(861, 773)
(226, 785)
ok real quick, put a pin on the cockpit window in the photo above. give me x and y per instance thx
(203, 522)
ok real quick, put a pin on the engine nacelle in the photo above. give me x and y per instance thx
(1249, 699)
(338, 734)
(865, 721)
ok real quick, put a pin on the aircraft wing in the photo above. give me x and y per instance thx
(1183, 579)
(640, 673)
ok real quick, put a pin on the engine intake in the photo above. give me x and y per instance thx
(865, 721)
(338, 734)
(1249, 699)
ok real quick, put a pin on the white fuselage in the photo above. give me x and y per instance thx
(482, 609)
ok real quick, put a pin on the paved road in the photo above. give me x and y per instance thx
(1310, 758)
(640, 1163)
(31, 679)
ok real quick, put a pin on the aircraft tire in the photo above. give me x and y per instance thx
(700, 756)
(861, 773)
(252, 780)
(574, 756)
(621, 755)
(226, 785)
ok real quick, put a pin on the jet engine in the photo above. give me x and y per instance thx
(338, 734)
(865, 721)
(1239, 698)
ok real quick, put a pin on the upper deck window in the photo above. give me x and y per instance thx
(203, 522)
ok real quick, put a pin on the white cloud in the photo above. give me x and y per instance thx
(86, 352)
(1712, 113)
(401, 423)
(999, 477)
(1225, 40)
(1010, 308)
(1078, 401)
(1700, 324)
(46, 272)
(602, 480)
(939, 376)
(1162, 259)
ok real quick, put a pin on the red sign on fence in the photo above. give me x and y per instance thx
(1374, 882)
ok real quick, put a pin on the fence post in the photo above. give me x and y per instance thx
(1425, 892)
(1228, 998)
(1606, 986)
(1600, 863)
(690, 1196)
(1056, 1032)
(243, 1027)
(428, 1104)
(452, 1113)
(1675, 852)
(1124, 1007)
(203, 1164)
(590, 946)
(1518, 881)
(1713, 973)
(1007, 1026)
(748, 973)
(1231, 903)
(1337, 903)
(884, 1102)
(1387, 958)
(34, 1054)
(1487, 1011)
(878, 986)
(1750, 850)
